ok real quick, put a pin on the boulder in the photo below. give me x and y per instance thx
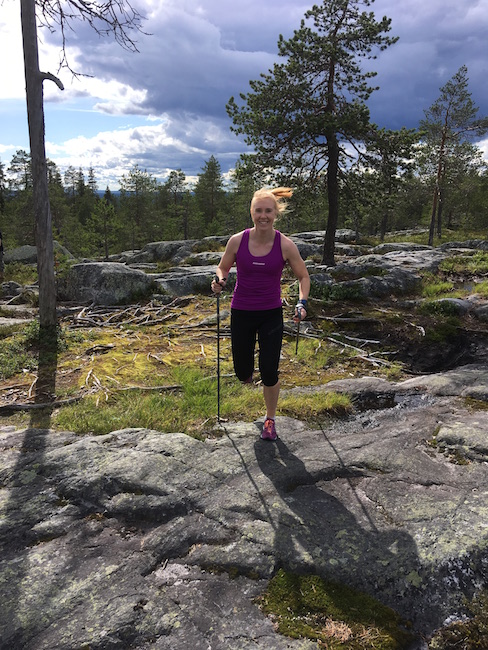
(28, 254)
(105, 283)
(413, 259)
(477, 244)
(164, 251)
(186, 280)
(456, 306)
(25, 254)
(388, 247)
(372, 281)
(481, 312)
(342, 235)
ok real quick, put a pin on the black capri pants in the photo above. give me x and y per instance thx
(267, 327)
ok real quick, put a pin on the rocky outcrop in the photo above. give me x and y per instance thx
(385, 270)
(141, 539)
(104, 283)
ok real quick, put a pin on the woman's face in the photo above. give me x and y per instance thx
(263, 212)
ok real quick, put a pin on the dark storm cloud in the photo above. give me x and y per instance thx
(199, 55)
(435, 39)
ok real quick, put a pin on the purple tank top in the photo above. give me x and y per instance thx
(258, 285)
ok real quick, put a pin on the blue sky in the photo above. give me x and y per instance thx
(163, 108)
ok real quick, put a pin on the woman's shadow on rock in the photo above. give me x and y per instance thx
(314, 532)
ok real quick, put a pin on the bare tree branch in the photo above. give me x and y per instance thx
(51, 77)
(116, 17)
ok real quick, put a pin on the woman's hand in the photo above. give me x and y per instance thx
(300, 312)
(218, 284)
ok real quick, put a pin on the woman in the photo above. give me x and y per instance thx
(260, 254)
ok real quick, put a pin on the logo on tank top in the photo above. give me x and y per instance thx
(259, 263)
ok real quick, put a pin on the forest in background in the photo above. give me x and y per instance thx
(93, 222)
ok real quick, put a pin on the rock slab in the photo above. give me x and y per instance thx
(139, 539)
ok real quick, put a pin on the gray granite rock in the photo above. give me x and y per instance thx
(142, 539)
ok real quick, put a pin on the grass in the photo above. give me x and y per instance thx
(190, 407)
(481, 288)
(438, 289)
(473, 264)
(315, 406)
(334, 615)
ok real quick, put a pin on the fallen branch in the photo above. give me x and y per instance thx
(361, 354)
(349, 319)
(30, 406)
(162, 388)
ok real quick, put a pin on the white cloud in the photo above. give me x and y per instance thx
(159, 148)
(201, 52)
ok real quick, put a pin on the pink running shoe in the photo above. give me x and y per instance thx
(269, 430)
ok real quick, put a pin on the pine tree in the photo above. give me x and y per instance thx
(448, 123)
(210, 194)
(299, 115)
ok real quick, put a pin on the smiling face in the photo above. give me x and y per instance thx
(263, 212)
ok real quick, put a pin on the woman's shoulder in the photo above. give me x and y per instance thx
(234, 241)
(288, 246)
(286, 241)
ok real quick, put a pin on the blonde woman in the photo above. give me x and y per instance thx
(260, 254)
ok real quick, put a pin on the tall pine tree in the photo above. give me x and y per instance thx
(451, 121)
(298, 117)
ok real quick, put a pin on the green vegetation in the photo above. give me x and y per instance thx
(475, 264)
(16, 354)
(435, 288)
(470, 634)
(315, 406)
(21, 346)
(91, 225)
(446, 326)
(336, 292)
(23, 274)
(336, 616)
(481, 288)
(189, 405)
(422, 236)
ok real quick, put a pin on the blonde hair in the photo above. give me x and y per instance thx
(278, 194)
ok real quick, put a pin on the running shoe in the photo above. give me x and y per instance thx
(269, 430)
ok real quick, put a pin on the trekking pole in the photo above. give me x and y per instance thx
(298, 336)
(218, 281)
(298, 308)
(218, 358)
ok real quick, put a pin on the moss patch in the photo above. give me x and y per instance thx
(334, 615)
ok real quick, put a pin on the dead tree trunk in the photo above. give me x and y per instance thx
(35, 114)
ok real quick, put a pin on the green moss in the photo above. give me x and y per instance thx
(334, 615)
(476, 405)
(315, 405)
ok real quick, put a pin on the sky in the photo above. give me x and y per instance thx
(163, 108)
